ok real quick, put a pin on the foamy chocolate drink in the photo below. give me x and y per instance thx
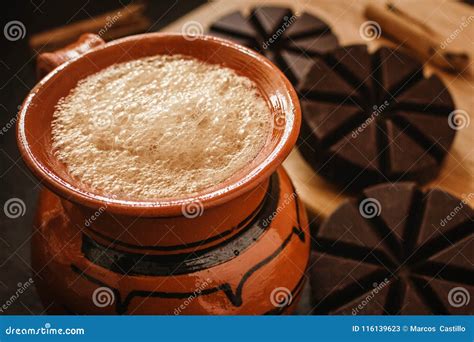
(162, 126)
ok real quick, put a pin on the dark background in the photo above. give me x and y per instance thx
(17, 77)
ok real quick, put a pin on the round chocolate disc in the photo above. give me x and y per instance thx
(395, 250)
(372, 118)
(289, 40)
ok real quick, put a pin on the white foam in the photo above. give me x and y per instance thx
(163, 126)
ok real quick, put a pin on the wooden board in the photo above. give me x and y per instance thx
(345, 18)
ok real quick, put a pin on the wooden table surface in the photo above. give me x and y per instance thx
(345, 18)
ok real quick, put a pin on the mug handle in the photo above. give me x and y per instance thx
(47, 61)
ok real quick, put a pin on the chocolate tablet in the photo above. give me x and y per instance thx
(395, 250)
(372, 118)
(288, 39)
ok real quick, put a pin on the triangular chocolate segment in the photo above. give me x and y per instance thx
(359, 148)
(394, 212)
(372, 302)
(305, 25)
(459, 254)
(324, 80)
(405, 154)
(271, 18)
(324, 119)
(348, 226)
(413, 304)
(435, 128)
(331, 275)
(314, 45)
(443, 212)
(428, 93)
(397, 70)
(235, 24)
(356, 60)
(297, 63)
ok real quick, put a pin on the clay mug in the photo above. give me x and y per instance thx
(239, 247)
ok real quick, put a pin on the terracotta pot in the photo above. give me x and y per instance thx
(241, 247)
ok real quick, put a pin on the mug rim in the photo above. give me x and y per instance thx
(165, 207)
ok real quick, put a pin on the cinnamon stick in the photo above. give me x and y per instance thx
(416, 36)
(111, 25)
